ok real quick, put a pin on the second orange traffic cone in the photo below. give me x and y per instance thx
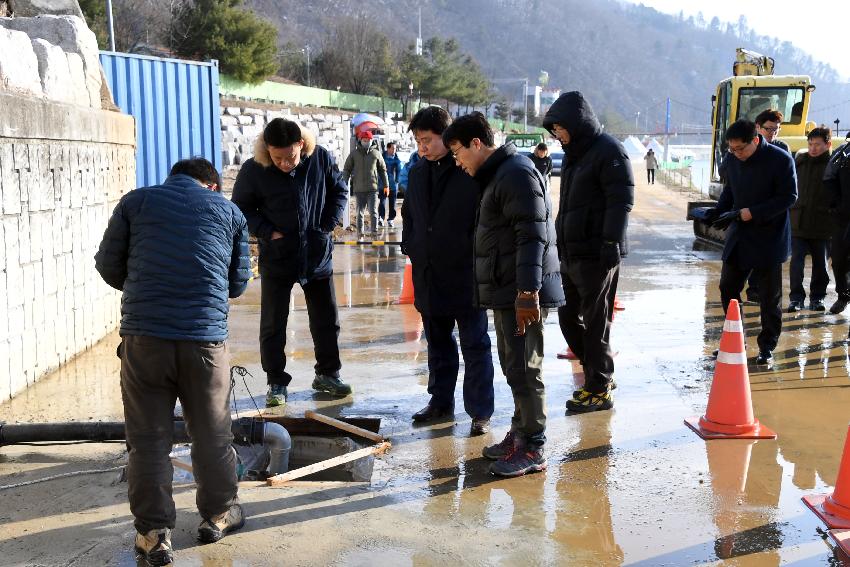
(729, 414)
(834, 509)
(407, 284)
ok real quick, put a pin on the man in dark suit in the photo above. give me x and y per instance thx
(760, 187)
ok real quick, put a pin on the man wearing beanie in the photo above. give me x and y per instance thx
(366, 173)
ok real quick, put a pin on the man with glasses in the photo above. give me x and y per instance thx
(760, 186)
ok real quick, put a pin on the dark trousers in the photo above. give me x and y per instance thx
(650, 176)
(819, 250)
(444, 362)
(840, 252)
(382, 210)
(586, 317)
(154, 374)
(274, 316)
(732, 279)
(521, 359)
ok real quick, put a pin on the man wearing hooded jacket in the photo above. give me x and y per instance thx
(597, 194)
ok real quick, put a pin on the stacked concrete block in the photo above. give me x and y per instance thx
(18, 63)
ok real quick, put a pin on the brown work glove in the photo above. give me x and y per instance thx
(386, 191)
(527, 307)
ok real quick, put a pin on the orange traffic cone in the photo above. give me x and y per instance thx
(842, 540)
(729, 414)
(567, 354)
(834, 509)
(407, 284)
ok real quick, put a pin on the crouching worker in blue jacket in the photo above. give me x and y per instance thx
(177, 251)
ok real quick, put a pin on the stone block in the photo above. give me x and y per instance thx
(74, 37)
(28, 349)
(253, 111)
(35, 233)
(17, 378)
(4, 310)
(245, 119)
(20, 71)
(228, 120)
(5, 385)
(53, 70)
(233, 110)
(252, 131)
(77, 88)
(335, 118)
(24, 237)
(49, 279)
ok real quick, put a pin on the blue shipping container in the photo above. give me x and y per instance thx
(176, 106)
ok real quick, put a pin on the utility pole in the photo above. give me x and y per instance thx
(525, 107)
(667, 133)
(419, 37)
(637, 117)
(109, 25)
(307, 51)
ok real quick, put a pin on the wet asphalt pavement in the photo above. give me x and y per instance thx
(632, 486)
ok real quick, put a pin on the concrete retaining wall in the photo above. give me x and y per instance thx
(63, 168)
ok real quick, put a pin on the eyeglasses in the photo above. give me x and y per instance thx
(772, 130)
(739, 149)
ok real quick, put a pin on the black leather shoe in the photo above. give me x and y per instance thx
(480, 426)
(794, 306)
(432, 412)
(765, 358)
(817, 305)
(839, 305)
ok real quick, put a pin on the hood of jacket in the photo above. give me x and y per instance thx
(573, 113)
(261, 151)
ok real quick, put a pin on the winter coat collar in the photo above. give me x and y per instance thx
(261, 152)
(488, 169)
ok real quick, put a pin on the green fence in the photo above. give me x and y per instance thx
(307, 96)
(503, 126)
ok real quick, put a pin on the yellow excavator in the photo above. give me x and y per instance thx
(751, 89)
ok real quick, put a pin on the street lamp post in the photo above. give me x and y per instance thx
(637, 117)
(837, 121)
(307, 51)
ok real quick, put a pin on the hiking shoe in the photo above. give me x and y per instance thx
(839, 306)
(213, 529)
(276, 396)
(332, 385)
(765, 358)
(500, 450)
(480, 426)
(794, 306)
(817, 305)
(611, 387)
(521, 460)
(391, 223)
(588, 401)
(155, 547)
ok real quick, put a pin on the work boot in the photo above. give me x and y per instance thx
(521, 460)
(612, 386)
(839, 306)
(764, 358)
(433, 412)
(213, 529)
(155, 547)
(501, 449)
(332, 385)
(588, 401)
(276, 396)
(480, 426)
(817, 305)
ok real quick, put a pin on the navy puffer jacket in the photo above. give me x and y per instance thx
(177, 251)
(304, 205)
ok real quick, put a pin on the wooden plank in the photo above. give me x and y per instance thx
(181, 465)
(360, 432)
(280, 479)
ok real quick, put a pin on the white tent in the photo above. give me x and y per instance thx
(634, 148)
(656, 147)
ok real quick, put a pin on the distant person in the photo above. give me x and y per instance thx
(293, 196)
(405, 171)
(437, 235)
(393, 164)
(178, 251)
(597, 195)
(542, 161)
(760, 186)
(651, 166)
(837, 181)
(516, 275)
(366, 172)
(811, 223)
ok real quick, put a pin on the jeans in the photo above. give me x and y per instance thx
(819, 250)
(521, 359)
(154, 374)
(732, 279)
(382, 211)
(274, 316)
(444, 363)
(364, 201)
(585, 318)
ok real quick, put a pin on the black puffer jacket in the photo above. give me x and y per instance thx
(810, 216)
(437, 230)
(597, 184)
(305, 205)
(514, 234)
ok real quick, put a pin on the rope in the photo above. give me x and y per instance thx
(243, 372)
(57, 476)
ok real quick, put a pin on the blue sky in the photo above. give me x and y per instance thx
(819, 29)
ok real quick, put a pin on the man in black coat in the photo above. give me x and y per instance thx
(760, 187)
(438, 226)
(597, 194)
(836, 179)
(516, 275)
(293, 196)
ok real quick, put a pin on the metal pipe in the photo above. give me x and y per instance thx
(109, 25)
(277, 439)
